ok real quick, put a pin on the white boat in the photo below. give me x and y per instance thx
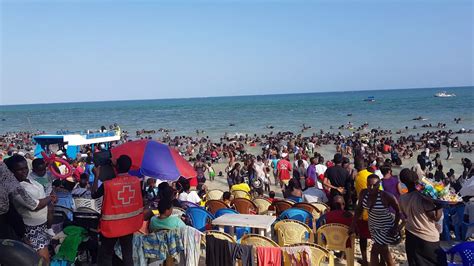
(72, 141)
(444, 94)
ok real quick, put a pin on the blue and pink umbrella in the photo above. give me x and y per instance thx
(154, 159)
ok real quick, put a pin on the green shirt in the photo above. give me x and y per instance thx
(168, 223)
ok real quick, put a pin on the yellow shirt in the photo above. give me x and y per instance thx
(242, 186)
(361, 180)
(361, 184)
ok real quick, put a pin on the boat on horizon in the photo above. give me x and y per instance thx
(370, 99)
(444, 94)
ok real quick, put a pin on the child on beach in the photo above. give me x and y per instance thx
(267, 183)
(212, 172)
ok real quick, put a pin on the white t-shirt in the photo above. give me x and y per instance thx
(36, 191)
(314, 194)
(258, 166)
(192, 196)
(378, 173)
(305, 163)
(321, 169)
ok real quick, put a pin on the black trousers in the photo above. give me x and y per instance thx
(421, 252)
(106, 250)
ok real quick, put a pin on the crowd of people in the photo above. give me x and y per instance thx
(358, 183)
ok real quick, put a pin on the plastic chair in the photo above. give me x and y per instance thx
(239, 231)
(293, 232)
(465, 250)
(214, 205)
(214, 194)
(244, 206)
(220, 235)
(308, 207)
(318, 256)
(281, 205)
(240, 194)
(322, 207)
(297, 214)
(257, 241)
(334, 237)
(262, 205)
(199, 217)
(315, 212)
(221, 212)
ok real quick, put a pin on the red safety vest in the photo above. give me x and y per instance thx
(122, 208)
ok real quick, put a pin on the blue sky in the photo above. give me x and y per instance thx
(61, 51)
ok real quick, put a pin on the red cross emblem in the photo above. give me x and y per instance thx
(126, 195)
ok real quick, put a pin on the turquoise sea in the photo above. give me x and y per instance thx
(392, 109)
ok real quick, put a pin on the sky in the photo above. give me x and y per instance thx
(70, 51)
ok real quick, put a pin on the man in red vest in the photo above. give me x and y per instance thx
(122, 211)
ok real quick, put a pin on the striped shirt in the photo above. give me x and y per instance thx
(380, 220)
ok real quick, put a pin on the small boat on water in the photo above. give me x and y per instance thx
(370, 99)
(443, 94)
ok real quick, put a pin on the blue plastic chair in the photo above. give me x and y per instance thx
(199, 217)
(297, 214)
(465, 250)
(223, 211)
(239, 231)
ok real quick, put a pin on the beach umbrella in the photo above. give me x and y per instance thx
(467, 188)
(154, 159)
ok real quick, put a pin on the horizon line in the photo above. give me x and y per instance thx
(224, 96)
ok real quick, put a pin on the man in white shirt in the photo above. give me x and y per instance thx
(297, 158)
(188, 195)
(320, 167)
(311, 147)
(259, 168)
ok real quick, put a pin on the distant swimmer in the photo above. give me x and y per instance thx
(270, 127)
(231, 124)
(349, 114)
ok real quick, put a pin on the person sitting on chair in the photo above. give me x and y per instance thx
(165, 221)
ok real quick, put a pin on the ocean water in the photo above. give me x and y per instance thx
(393, 109)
